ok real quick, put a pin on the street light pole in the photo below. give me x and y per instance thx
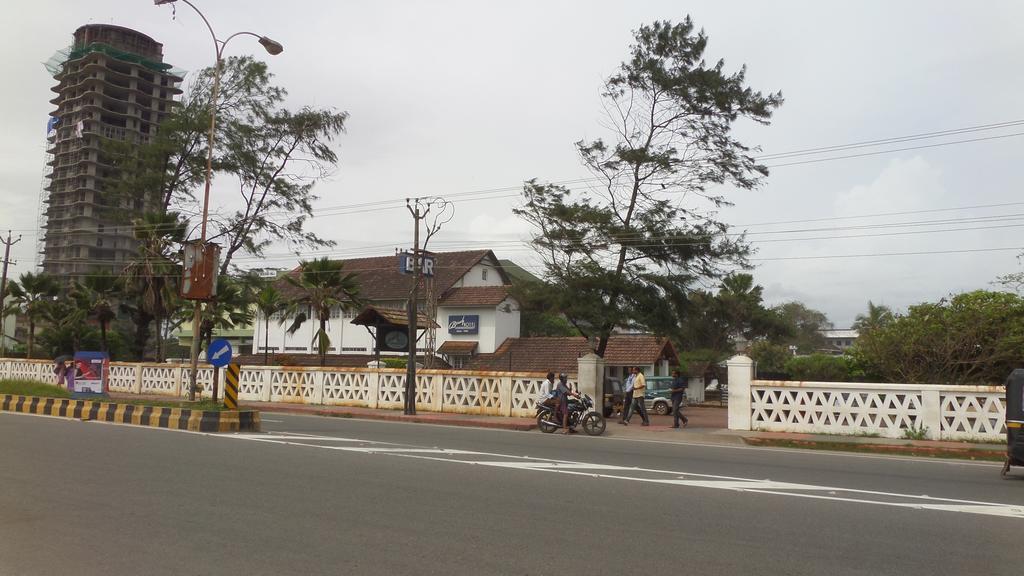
(273, 48)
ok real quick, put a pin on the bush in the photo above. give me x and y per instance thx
(823, 368)
(770, 358)
(394, 362)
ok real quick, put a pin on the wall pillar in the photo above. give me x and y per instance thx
(590, 378)
(505, 395)
(373, 381)
(318, 387)
(741, 375)
(436, 392)
(137, 385)
(265, 379)
(931, 413)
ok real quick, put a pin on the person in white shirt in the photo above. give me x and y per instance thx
(546, 388)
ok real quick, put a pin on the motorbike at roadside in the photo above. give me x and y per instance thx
(581, 412)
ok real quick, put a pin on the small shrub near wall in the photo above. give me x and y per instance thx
(823, 368)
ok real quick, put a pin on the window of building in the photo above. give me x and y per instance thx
(295, 348)
(353, 349)
(483, 274)
(99, 241)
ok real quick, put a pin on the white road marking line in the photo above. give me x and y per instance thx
(680, 478)
(271, 438)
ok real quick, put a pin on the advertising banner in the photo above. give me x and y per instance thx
(92, 370)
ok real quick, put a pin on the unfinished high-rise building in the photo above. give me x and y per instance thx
(112, 85)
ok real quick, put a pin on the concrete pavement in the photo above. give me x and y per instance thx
(335, 495)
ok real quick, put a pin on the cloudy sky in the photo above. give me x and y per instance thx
(473, 97)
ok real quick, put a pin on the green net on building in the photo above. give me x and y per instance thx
(56, 62)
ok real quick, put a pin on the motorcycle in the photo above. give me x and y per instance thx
(581, 412)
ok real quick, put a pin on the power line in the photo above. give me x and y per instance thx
(895, 150)
(873, 255)
(892, 140)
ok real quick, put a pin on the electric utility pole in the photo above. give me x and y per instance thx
(3, 291)
(410, 370)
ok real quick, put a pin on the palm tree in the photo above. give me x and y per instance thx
(323, 285)
(877, 317)
(155, 272)
(269, 301)
(32, 294)
(95, 295)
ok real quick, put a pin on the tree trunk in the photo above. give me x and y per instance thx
(216, 371)
(266, 339)
(159, 340)
(103, 337)
(321, 343)
(31, 337)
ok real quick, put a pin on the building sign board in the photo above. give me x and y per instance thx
(464, 324)
(405, 264)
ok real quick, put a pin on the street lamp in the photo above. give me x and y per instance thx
(273, 48)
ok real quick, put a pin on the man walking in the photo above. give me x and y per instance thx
(639, 403)
(678, 395)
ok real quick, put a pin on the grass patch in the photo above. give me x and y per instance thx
(206, 405)
(962, 454)
(32, 388)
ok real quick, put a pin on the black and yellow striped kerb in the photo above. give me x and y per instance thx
(231, 386)
(156, 416)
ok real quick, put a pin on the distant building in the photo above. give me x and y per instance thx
(840, 341)
(112, 84)
(474, 313)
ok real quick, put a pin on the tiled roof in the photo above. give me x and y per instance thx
(379, 278)
(461, 347)
(371, 314)
(475, 296)
(560, 354)
(332, 360)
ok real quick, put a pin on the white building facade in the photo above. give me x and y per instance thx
(474, 308)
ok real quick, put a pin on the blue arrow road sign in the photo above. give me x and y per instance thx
(219, 353)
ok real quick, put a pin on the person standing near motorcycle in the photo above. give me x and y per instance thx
(627, 398)
(639, 403)
(678, 395)
(562, 389)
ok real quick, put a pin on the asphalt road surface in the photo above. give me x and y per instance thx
(338, 496)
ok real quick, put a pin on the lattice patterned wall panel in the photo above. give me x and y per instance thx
(204, 379)
(477, 394)
(122, 378)
(161, 379)
(27, 371)
(347, 388)
(524, 395)
(251, 382)
(424, 391)
(973, 415)
(391, 390)
(839, 411)
(291, 386)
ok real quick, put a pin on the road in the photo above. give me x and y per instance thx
(340, 496)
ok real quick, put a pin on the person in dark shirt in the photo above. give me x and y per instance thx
(678, 395)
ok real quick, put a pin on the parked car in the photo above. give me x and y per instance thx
(613, 396)
(659, 396)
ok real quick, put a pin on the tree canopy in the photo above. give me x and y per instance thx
(970, 338)
(621, 253)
